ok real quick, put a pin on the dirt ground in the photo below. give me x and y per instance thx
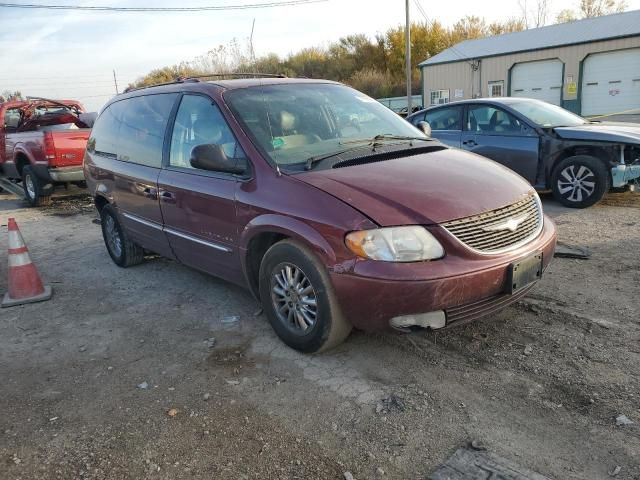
(540, 384)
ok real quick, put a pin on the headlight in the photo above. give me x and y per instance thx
(395, 244)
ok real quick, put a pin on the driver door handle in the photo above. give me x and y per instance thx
(150, 192)
(167, 197)
(470, 143)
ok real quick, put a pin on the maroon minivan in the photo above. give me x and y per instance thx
(330, 208)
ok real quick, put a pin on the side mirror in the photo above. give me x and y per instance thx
(425, 127)
(212, 157)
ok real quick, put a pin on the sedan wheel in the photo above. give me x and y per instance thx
(580, 181)
(576, 183)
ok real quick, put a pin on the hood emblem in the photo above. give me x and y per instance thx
(511, 224)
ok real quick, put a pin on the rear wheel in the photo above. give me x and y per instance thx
(33, 188)
(298, 299)
(580, 181)
(123, 251)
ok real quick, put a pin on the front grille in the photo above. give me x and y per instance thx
(502, 229)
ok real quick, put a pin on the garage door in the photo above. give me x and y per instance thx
(611, 82)
(541, 80)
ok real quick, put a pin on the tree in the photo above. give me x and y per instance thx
(534, 14)
(8, 96)
(567, 15)
(509, 26)
(591, 9)
(597, 8)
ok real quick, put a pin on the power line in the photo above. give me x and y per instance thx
(247, 6)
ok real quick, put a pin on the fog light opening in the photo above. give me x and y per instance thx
(407, 323)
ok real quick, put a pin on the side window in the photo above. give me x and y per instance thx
(142, 128)
(490, 120)
(416, 119)
(445, 118)
(104, 134)
(12, 118)
(200, 122)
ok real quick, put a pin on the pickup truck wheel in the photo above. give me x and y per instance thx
(298, 298)
(122, 250)
(579, 181)
(33, 188)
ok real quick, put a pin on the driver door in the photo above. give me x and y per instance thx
(496, 134)
(198, 206)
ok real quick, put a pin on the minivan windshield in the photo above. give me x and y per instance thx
(295, 122)
(547, 115)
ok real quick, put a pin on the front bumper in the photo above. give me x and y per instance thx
(67, 174)
(622, 175)
(462, 290)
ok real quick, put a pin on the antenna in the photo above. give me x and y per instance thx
(253, 54)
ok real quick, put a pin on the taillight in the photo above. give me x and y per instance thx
(49, 146)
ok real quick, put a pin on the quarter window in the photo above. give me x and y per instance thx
(439, 97)
(200, 122)
(445, 118)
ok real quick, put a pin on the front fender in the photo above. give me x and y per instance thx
(292, 228)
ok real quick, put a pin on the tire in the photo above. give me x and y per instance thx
(124, 252)
(305, 330)
(580, 181)
(32, 187)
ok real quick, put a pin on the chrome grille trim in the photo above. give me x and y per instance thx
(471, 230)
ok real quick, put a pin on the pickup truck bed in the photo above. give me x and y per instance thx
(42, 144)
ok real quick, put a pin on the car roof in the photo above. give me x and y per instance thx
(488, 101)
(210, 86)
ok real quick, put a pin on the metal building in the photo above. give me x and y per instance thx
(591, 66)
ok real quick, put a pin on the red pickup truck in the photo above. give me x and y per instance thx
(42, 145)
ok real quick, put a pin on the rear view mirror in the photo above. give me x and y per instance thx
(212, 157)
(425, 128)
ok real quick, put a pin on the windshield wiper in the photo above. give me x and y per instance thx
(311, 161)
(383, 137)
(374, 142)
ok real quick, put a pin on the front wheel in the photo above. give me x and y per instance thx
(32, 187)
(298, 298)
(580, 181)
(123, 251)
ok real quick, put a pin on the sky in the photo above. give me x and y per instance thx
(72, 54)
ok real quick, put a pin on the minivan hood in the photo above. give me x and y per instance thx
(423, 189)
(602, 132)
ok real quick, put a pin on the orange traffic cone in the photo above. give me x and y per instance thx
(25, 285)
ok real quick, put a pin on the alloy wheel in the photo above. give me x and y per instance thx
(576, 182)
(294, 298)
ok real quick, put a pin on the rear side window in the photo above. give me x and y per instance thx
(142, 127)
(132, 130)
(104, 135)
(445, 118)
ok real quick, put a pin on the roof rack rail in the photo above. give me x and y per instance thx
(196, 78)
(239, 74)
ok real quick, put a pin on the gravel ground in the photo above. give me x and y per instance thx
(540, 384)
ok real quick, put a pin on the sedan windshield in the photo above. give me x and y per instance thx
(547, 115)
(293, 123)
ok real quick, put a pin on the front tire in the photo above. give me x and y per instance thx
(298, 298)
(579, 181)
(124, 252)
(32, 187)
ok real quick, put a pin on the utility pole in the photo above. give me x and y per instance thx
(115, 81)
(408, 58)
